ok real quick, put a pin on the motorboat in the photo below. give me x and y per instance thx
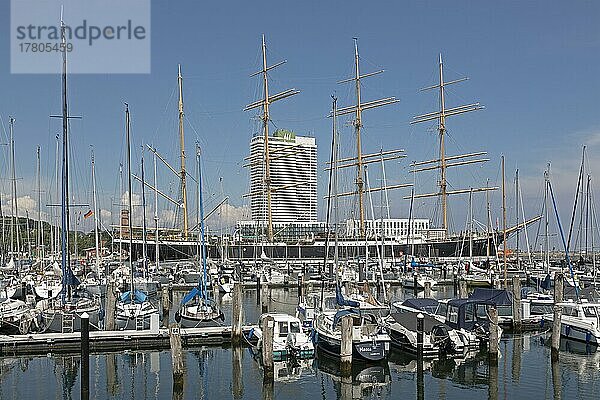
(289, 341)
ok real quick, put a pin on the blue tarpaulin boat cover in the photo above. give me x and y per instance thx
(342, 313)
(428, 305)
(499, 297)
(138, 296)
(193, 293)
(339, 297)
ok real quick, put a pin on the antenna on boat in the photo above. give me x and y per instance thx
(442, 162)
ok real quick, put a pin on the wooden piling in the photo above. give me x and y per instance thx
(110, 305)
(236, 317)
(462, 289)
(346, 346)
(427, 289)
(85, 356)
(415, 284)
(177, 360)
(556, 381)
(268, 328)
(166, 305)
(556, 322)
(237, 381)
(516, 305)
(558, 287)
(493, 337)
(258, 290)
(420, 329)
(455, 284)
(264, 298)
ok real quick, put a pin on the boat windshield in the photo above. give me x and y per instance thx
(294, 327)
(590, 312)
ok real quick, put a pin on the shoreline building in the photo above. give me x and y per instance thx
(293, 171)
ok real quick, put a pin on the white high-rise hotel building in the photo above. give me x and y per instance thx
(293, 170)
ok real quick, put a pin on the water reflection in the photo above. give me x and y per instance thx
(365, 380)
(524, 371)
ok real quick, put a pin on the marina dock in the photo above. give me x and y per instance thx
(102, 341)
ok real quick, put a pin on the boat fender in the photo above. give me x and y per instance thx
(178, 317)
(568, 330)
(251, 333)
(588, 337)
(101, 314)
(222, 316)
(542, 322)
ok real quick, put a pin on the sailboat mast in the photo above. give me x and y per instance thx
(66, 257)
(471, 226)
(56, 170)
(517, 216)
(40, 233)
(15, 218)
(95, 199)
(120, 213)
(504, 223)
(546, 212)
(182, 148)
(357, 130)
(265, 119)
(129, 207)
(201, 233)
(442, 133)
(144, 229)
(156, 253)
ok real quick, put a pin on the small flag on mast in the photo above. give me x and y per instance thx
(88, 214)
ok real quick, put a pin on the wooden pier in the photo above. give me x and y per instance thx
(100, 341)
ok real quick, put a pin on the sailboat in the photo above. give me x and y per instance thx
(370, 340)
(196, 309)
(64, 314)
(133, 309)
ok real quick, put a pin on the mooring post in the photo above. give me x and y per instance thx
(300, 285)
(85, 356)
(268, 329)
(420, 380)
(236, 317)
(556, 381)
(427, 289)
(493, 379)
(516, 306)
(165, 307)
(258, 290)
(420, 329)
(237, 379)
(177, 360)
(267, 389)
(346, 345)
(109, 309)
(415, 284)
(462, 289)
(559, 290)
(493, 337)
(556, 322)
(264, 298)
(455, 283)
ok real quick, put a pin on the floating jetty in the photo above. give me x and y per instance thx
(150, 339)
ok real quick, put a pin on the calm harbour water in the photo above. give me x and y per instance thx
(524, 372)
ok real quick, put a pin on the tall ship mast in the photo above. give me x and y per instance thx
(264, 104)
(444, 161)
(182, 149)
(361, 159)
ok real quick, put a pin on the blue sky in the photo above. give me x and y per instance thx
(532, 64)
